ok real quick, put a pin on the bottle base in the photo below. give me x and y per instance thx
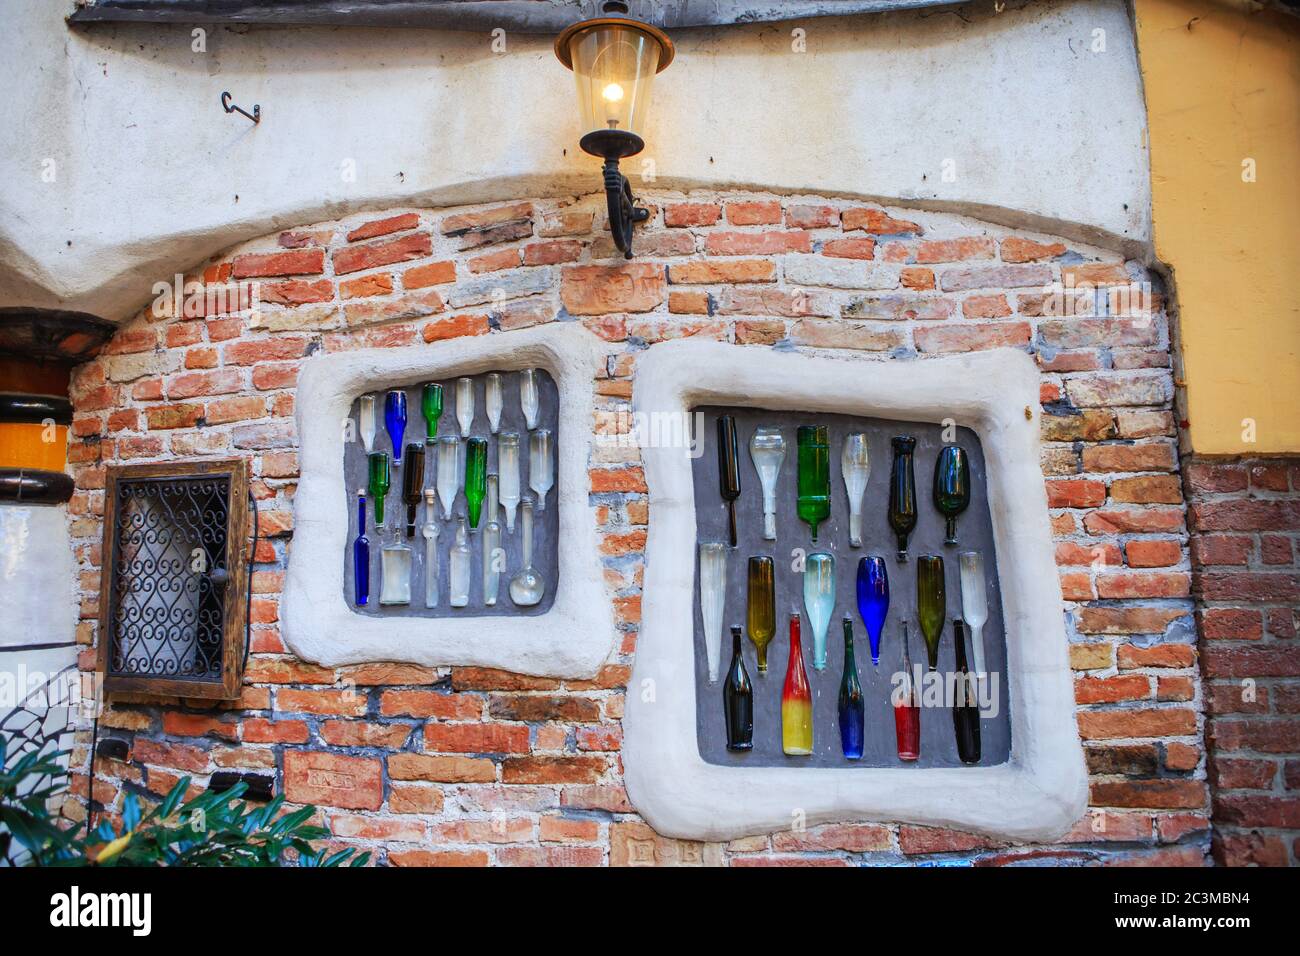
(797, 752)
(908, 757)
(739, 748)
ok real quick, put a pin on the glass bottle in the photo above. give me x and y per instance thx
(713, 591)
(738, 699)
(430, 532)
(508, 466)
(767, 450)
(966, 708)
(930, 603)
(464, 405)
(493, 401)
(796, 700)
(819, 600)
(873, 600)
(855, 463)
(431, 404)
(380, 479)
(448, 473)
(458, 583)
(907, 708)
(852, 706)
(529, 400)
(541, 465)
(413, 483)
(395, 421)
(902, 492)
(761, 606)
(475, 478)
(491, 563)
(728, 470)
(527, 586)
(951, 487)
(361, 555)
(492, 503)
(366, 426)
(395, 566)
(974, 604)
(814, 475)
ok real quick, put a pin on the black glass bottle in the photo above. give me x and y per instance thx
(413, 483)
(738, 699)
(966, 708)
(951, 487)
(728, 469)
(902, 492)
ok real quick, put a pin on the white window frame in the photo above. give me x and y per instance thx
(572, 639)
(1042, 788)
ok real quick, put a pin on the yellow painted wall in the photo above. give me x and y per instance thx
(1222, 81)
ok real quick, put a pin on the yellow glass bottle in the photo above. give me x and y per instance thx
(761, 611)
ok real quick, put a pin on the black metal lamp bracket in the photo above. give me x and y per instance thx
(229, 107)
(623, 211)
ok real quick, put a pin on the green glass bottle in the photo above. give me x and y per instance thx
(380, 479)
(814, 475)
(431, 404)
(902, 492)
(951, 487)
(475, 478)
(930, 603)
(761, 610)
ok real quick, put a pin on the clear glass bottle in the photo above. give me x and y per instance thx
(541, 465)
(855, 463)
(464, 405)
(713, 595)
(493, 560)
(767, 450)
(395, 566)
(508, 466)
(819, 600)
(492, 401)
(448, 473)
(529, 399)
(527, 586)
(492, 503)
(366, 426)
(974, 604)
(460, 564)
(430, 532)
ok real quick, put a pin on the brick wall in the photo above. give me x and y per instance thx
(1245, 520)
(460, 765)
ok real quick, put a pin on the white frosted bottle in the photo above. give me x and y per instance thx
(508, 479)
(464, 405)
(855, 465)
(529, 399)
(974, 604)
(430, 532)
(492, 401)
(713, 590)
(395, 566)
(541, 465)
(460, 562)
(448, 473)
(492, 558)
(366, 427)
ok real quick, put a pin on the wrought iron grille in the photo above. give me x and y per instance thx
(167, 610)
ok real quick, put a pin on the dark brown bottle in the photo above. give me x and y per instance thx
(413, 483)
(902, 492)
(728, 469)
(966, 708)
(738, 699)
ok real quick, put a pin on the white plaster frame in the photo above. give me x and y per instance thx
(1039, 792)
(572, 639)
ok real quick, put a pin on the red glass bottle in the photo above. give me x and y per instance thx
(796, 700)
(907, 710)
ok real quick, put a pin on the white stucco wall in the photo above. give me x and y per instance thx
(150, 175)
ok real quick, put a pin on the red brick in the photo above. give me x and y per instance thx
(380, 283)
(296, 291)
(195, 384)
(360, 733)
(876, 221)
(257, 730)
(544, 770)
(1128, 458)
(198, 725)
(408, 766)
(708, 273)
(758, 243)
(1236, 624)
(443, 858)
(1015, 249)
(597, 290)
(753, 213)
(475, 738)
(853, 838)
(455, 327)
(985, 307)
(914, 840)
(174, 756)
(355, 783)
(970, 338)
(435, 273)
(296, 262)
(1104, 725)
(1153, 554)
(563, 830)
(1131, 656)
(1103, 690)
(342, 702)
(266, 350)
(811, 217)
(1147, 489)
(1152, 585)
(1075, 493)
(954, 250)
(486, 678)
(850, 248)
(384, 227)
(1153, 794)
(691, 214)
(413, 798)
(355, 258)
(550, 253)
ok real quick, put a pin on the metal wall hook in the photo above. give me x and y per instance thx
(229, 107)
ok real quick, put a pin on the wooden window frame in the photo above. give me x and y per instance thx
(235, 601)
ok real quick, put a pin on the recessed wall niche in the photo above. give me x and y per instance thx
(393, 535)
(793, 537)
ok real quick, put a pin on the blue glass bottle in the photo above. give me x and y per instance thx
(361, 555)
(395, 421)
(873, 600)
(852, 707)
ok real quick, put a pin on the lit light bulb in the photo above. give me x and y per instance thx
(612, 93)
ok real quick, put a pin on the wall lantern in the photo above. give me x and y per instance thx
(614, 60)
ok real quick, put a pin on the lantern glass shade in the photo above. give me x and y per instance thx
(614, 63)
